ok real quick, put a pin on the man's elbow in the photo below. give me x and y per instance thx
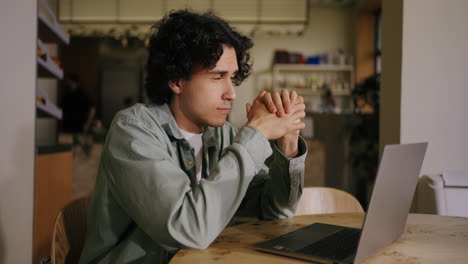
(200, 245)
(193, 238)
(278, 214)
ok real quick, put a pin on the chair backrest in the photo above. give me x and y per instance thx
(323, 200)
(69, 232)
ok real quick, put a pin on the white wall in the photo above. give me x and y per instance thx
(329, 29)
(434, 105)
(434, 80)
(18, 24)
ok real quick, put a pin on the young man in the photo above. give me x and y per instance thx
(173, 174)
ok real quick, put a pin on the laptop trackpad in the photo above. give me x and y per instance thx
(306, 235)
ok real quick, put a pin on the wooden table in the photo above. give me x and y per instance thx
(426, 239)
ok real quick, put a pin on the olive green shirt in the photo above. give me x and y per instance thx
(147, 203)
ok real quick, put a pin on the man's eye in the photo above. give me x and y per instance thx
(217, 78)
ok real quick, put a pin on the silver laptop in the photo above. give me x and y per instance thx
(384, 223)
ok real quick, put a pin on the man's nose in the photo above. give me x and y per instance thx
(230, 93)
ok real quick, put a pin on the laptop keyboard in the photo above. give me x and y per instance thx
(336, 246)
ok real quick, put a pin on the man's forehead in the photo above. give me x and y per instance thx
(216, 71)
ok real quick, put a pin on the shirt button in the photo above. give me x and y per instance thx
(190, 163)
(292, 166)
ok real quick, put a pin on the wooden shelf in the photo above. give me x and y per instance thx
(45, 105)
(311, 67)
(306, 92)
(341, 92)
(49, 30)
(310, 92)
(310, 80)
(48, 69)
(344, 71)
(49, 109)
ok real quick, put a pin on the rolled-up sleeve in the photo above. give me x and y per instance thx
(276, 189)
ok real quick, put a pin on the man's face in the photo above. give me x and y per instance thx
(205, 99)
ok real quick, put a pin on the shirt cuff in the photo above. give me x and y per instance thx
(295, 166)
(292, 162)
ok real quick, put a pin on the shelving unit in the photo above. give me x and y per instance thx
(48, 69)
(53, 173)
(45, 105)
(314, 76)
(310, 81)
(49, 30)
(311, 67)
(52, 31)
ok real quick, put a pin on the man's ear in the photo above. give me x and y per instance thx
(176, 86)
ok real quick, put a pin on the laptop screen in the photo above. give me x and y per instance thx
(391, 199)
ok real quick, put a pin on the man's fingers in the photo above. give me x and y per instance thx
(261, 94)
(299, 100)
(298, 115)
(297, 126)
(268, 101)
(293, 97)
(278, 103)
(286, 100)
(298, 107)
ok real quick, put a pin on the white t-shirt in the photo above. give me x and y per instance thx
(196, 142)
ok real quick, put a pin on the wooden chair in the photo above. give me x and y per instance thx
(69, 232)
(323, 200)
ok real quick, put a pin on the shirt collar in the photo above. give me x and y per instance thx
(168, 123)
(209, 137)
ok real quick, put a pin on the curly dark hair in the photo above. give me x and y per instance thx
(183, 41)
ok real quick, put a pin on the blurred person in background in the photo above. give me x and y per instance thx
(78, 110)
